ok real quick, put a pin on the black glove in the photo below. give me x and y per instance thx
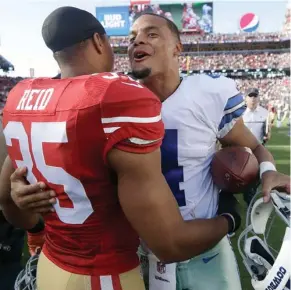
(228, 207)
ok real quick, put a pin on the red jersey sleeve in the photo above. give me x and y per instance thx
(131, 117)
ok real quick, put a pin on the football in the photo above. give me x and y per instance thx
(234, 168)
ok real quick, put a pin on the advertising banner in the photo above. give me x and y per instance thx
(114, 19)
(192, 17)
(248, 16)
(133, 2)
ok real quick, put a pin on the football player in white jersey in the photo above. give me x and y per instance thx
(197, 110)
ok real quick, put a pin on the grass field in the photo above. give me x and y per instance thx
(279, 146)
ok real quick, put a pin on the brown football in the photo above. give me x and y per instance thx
(234, 168)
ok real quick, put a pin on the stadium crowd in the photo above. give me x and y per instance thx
(222, 61)
(236, 61)
(216, 38)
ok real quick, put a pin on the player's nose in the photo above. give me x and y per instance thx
(140, 38)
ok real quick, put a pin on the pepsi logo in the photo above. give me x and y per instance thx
(249, 22)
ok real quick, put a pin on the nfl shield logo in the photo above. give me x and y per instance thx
(161, 267)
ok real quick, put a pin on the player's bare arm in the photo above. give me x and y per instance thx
(12, 213)
(240, 135)
(152, 210)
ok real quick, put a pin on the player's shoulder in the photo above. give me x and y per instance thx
(123, 88)
(21, 84)
(30, 83)
(17, 89)
(26, 81)
(33, 84)
(212, 86)
(211, 82)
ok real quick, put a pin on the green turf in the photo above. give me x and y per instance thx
(279, 146)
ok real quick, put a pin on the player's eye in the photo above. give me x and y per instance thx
(152, 35)
(131, 39)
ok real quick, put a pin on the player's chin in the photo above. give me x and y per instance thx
(141, 71)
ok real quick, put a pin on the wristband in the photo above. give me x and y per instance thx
(266, 166)
(37, 228)
(231, 222)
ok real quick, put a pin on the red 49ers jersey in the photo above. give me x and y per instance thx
(62, 130)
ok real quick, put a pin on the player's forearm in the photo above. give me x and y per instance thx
(262, 154)
(18, 217)
(195, 237)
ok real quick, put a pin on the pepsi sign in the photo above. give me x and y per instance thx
(249, 22)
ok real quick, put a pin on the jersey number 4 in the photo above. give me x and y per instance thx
(173, 173)
(50, 132)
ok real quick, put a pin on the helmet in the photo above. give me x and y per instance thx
(267, 271)
(26, 279)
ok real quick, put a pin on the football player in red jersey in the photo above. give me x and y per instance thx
(94, 139)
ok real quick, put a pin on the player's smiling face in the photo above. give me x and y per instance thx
(152, 46)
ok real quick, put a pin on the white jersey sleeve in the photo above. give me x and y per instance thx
(225, 105)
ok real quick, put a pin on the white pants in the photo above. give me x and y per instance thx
(215, 269)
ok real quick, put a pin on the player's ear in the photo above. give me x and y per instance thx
(98, 42)
(178, 49)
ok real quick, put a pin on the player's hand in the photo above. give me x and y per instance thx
(32, 197)
(35, 242)
(274, 180)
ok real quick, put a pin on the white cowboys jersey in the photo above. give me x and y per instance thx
(202, 109)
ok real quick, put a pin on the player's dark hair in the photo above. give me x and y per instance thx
(171, 25)
(67, 26)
